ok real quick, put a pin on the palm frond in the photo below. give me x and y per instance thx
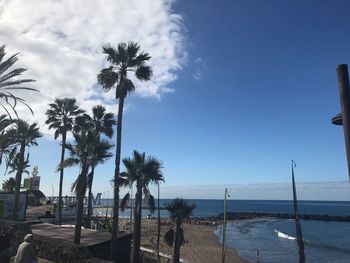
(124, 202)
(144, 73)
(10, 82)
(107, 78)
(169, 237)
(151, 204)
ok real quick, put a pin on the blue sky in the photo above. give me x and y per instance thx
(244, 87)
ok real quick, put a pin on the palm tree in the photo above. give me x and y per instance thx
(100, 123)
(123, 59)
(24, 135)
(60, 117)
(86, 151)
(179, 211)
(14, 164)
(9, 185)
(10, 83)
(141, 170)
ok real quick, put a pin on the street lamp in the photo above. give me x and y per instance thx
(107, 204)
(343, 118)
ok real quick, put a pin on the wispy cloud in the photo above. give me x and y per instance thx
(276, 191)
(200, 66)
(60, 44)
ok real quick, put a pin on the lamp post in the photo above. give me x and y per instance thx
(344, 117)
(107, 204)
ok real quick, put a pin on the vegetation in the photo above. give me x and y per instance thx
(142, 171)
(9, 185)
(87, 150)
(60, 117)
(23, 135)
(123, 59)
(179, 211)
(14, 164)
(101, 123)
(10, 83)
(5, 150)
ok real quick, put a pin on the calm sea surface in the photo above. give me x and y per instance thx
(326, 242)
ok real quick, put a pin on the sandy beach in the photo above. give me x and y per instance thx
(202, 246)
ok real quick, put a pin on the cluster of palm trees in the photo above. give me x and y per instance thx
(90, 144)
(16, 135)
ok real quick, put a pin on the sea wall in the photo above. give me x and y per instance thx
(247, 215)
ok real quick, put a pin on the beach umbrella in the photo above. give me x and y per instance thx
(299, 234)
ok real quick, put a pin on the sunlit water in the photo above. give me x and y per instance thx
(326, 242)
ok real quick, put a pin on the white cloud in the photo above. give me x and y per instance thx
(60, 44)
(200, 66)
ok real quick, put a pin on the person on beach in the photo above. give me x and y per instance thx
(26, 252)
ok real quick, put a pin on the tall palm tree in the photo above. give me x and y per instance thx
(142, 171)
(10, 83)
(9, 185)
(123, 59)
(23, 135)
(179, 211)
(86, 151)
(60, 117)
(101, 123)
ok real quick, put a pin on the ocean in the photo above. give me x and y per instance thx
(274, 239)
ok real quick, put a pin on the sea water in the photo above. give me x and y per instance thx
(274, 239)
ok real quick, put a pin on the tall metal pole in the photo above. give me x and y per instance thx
(158, 233)
(107, 205)
(298, 231)
(223, 252)
(344, 93)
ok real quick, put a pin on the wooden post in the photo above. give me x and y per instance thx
(344, 93)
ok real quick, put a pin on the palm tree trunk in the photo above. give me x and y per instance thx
(81, 188)
(90, 196)
(61, 180)
(137, 226)
(177, 244)
(115, 226)
(131, 208)
(18, 181)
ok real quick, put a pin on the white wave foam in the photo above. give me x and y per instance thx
(284, 235)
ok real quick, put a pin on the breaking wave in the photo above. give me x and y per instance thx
(283, 235)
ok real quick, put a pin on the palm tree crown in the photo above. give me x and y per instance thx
(24, 133)
(100, 122)
(10, 83)
(123, 59)
(61, 114)
(9, 185)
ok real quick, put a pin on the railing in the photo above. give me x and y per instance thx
(163, 258)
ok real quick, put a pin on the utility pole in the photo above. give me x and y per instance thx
(298, 231)
(344, 117)
(223, 252)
